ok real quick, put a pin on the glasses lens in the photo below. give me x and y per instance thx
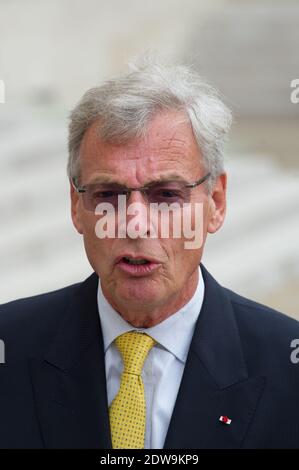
(169, 192)
(97, 193)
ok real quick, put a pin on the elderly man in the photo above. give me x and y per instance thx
(149, 351)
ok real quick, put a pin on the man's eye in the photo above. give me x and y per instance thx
(168, 193)
(104, 194)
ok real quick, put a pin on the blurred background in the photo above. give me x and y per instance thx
(51, 51)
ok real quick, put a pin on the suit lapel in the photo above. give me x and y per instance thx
(70, 383)
(215, 381)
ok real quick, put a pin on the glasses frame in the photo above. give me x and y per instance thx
(127, 191)
(82, 189)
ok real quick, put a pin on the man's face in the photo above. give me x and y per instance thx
(168, 147)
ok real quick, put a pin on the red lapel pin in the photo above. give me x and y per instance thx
(225, 419)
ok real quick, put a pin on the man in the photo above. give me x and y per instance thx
(149, 351)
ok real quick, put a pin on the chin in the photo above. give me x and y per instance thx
(139, 290)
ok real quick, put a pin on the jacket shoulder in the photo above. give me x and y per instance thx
(258, 313)
(27, 324)
(267, 335)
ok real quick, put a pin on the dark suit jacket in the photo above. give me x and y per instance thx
(53, 387)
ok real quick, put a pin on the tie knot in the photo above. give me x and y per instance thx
(134, 346)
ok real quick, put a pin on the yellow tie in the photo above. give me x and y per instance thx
(127, 411)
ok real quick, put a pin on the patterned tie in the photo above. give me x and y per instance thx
(127, 410)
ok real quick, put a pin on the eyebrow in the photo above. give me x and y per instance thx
(104, 179)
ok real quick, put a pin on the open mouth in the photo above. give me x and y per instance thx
(135, 261)
(137, 266)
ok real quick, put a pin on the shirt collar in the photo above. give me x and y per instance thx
(174, 333)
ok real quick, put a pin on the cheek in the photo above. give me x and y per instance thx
(88, 222)
(99, 253)
(181, 263)
(175, 253)
(93, 244)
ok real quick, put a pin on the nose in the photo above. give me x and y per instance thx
(137, 196)
(140, 214)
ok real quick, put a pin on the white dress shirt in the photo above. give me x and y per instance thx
(163, 368)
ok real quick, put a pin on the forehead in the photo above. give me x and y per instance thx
(168, 146)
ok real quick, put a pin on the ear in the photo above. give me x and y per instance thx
(217, 208)
(75, 209)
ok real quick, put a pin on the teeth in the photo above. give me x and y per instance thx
(136, 261)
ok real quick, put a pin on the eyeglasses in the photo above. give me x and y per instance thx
(155, 192)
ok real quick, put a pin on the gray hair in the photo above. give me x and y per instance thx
(126, 104)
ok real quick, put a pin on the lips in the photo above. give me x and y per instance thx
(126, 264)
(136, 257)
